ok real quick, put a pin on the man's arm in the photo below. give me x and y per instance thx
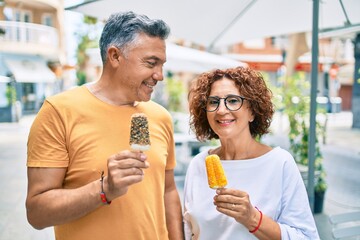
(173, 208)
(48, 204)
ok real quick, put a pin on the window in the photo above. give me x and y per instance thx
(21, 15)
(8, 14)
(47, 19)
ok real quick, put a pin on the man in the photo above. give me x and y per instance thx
(82, 176)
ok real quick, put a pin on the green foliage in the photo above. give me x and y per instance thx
(90, 20)
(297, 107)
(85, 43)
(175, 90)
(10, 94)
(87, 39)
(81, 78)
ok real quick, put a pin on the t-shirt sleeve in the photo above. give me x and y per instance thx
(171, 162)
(46, 141)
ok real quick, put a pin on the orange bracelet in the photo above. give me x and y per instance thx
(258, 226)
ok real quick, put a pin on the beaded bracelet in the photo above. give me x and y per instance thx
(102, 193)
(258, 226)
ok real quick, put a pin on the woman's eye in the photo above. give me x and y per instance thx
(213, 102)
(233, 100)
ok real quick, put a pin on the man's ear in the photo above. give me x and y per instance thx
(114, 55)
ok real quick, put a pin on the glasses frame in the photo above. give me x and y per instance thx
(225, 98)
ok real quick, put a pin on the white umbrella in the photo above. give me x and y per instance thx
(220, 23)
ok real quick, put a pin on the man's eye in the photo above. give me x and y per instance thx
(151, 63)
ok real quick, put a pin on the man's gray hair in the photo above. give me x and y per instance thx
(121, 30)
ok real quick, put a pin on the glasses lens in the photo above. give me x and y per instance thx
(212, 104)
(233, 103)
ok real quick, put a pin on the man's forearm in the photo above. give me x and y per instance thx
(59, 206)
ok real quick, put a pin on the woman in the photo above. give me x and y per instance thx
(265, 197)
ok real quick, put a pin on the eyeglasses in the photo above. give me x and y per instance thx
(232, 103)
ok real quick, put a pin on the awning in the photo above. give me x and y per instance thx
(182, 59)
(4, 79)
(30, 70)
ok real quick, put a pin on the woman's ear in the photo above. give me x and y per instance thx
(252, 117)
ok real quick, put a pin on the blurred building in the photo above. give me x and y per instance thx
(32, 54)
(277, 56)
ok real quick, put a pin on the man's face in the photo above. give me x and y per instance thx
(141, 68)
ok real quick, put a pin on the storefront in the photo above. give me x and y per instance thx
(33, 80)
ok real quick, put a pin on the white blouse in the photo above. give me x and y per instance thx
(274, 185)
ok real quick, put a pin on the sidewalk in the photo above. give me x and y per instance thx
(13, 184)
(13, 136)
(342, 140)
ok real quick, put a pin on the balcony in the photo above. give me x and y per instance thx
(28, 38)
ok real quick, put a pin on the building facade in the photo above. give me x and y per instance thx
(32, 54)
(277, 55)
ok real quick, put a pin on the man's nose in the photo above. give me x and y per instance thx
(158, 74)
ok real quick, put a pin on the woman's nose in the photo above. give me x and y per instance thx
(222, 107)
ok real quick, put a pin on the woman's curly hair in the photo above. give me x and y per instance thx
(251, 86)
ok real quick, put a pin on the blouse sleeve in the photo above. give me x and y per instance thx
(187, 199)
(191, 228)
(296, 220)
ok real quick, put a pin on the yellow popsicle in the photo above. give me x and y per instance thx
(215, 172)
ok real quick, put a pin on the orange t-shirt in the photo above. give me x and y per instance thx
(78, 131)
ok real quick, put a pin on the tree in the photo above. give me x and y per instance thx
(175, 90)
(297, 108)
(10, 94)
(88, 38)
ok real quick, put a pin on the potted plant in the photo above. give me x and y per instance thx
(10, 94)
(297, 108)
(7, 112)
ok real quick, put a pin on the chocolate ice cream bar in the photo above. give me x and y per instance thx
(139, 132)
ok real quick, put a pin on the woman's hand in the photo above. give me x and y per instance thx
(236, 204)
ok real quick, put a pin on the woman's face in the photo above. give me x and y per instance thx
(225, 123)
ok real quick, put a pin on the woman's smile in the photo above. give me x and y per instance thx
(225, 122)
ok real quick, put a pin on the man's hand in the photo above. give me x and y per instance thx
(124, 169)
